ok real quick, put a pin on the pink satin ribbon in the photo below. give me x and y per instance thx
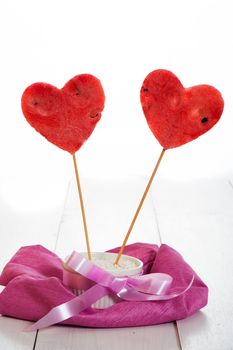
(151, 287)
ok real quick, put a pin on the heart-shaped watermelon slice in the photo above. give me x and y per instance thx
(177, 115)
(67, 116)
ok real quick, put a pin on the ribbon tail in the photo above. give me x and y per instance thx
(70, 308)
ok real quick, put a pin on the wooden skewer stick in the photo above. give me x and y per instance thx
(139, 207)
(82, 207)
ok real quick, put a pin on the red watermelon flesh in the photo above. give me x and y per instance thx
(177, 115)
(67, 116)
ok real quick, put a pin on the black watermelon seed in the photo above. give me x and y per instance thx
(204, 120)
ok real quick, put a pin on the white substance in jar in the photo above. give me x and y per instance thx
(127, 266)
(108, 265)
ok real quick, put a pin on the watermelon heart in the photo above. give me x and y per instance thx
(177, 115)
(67, 116)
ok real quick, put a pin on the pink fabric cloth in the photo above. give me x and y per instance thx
(33, 280)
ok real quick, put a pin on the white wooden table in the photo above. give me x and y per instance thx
(195, 218)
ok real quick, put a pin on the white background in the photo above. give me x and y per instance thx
(120, 42)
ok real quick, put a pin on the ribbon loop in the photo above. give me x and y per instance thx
(154, 283)
(117, 284)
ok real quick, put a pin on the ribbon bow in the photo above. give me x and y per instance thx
(150, 287)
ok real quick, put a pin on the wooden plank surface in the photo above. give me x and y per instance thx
(21, 227)
(12, 335)
(196, 219)
(137, 338)
(109, 208)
